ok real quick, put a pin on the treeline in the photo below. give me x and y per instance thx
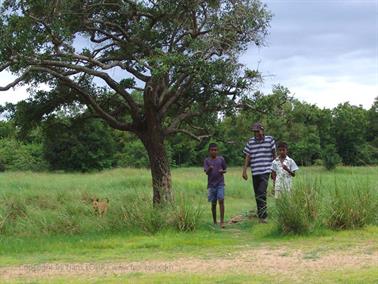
(69, 140)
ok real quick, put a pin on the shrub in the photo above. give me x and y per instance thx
(77, 144)
(132, 154)
(18, 156)
(330, 157)
(297, 211)
(318, 162)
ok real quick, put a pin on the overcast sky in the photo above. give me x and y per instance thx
(324, 51)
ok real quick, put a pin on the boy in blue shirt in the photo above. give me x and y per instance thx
(215, 168)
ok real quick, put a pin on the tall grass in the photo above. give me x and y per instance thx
(182, 215)
(297, 211)
(186, 214)
(347, 203)
(351, 205)
(53, 204)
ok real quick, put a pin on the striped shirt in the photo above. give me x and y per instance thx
(261, 154)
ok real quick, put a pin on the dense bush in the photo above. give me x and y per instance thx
(132, 154)
(17, 156)
(78, 145)
(330, 157)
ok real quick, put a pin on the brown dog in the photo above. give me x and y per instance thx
(100, 207)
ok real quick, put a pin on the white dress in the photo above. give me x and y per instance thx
(283, 178)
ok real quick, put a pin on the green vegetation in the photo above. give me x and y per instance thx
(298, 211)
(83, 144)
(38, 204)
(50, 220)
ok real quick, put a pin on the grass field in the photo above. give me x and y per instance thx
(49, 234)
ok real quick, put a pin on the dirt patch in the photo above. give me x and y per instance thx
(283, 261)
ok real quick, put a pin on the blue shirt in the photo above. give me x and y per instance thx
(260, 152)
(214, 177)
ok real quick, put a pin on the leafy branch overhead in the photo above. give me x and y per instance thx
(167, 61)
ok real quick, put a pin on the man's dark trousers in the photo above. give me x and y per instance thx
(260, 185)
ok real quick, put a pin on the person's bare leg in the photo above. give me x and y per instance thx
(214, 211)
(221, 209)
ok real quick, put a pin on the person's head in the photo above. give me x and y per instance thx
(282, 149)
(258, 130)
(213, 150)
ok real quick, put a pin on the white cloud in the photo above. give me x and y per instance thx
(326, 52)
(330, 92)
(326, 82)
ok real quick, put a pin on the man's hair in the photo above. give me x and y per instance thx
(212, 145)
(282, 145)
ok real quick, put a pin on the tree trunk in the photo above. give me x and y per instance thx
(160, 168)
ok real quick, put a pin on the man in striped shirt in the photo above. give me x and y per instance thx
(259, 152)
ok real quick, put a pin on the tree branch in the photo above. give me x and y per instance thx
(15, 82)
(189, 133)
(88, 98)
(171, 96)
(134, 109)
(107, 36)
(95, 52)
(4, 66)
(182, 117)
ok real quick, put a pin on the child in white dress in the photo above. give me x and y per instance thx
(283, 169)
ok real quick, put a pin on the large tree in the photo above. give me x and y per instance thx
(181, 57)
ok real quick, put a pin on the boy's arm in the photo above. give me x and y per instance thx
(273, 175)
(224, 167)
(293, 167)
(292, 173)
(246, 164)
(207, 169)
(273, 145)
(273, 169)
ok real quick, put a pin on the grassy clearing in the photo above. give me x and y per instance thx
(52, 222)
(55, 204)
(206, 244)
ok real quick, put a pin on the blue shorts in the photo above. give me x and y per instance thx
(215, 193)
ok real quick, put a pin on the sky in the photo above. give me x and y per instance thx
(324, 51)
